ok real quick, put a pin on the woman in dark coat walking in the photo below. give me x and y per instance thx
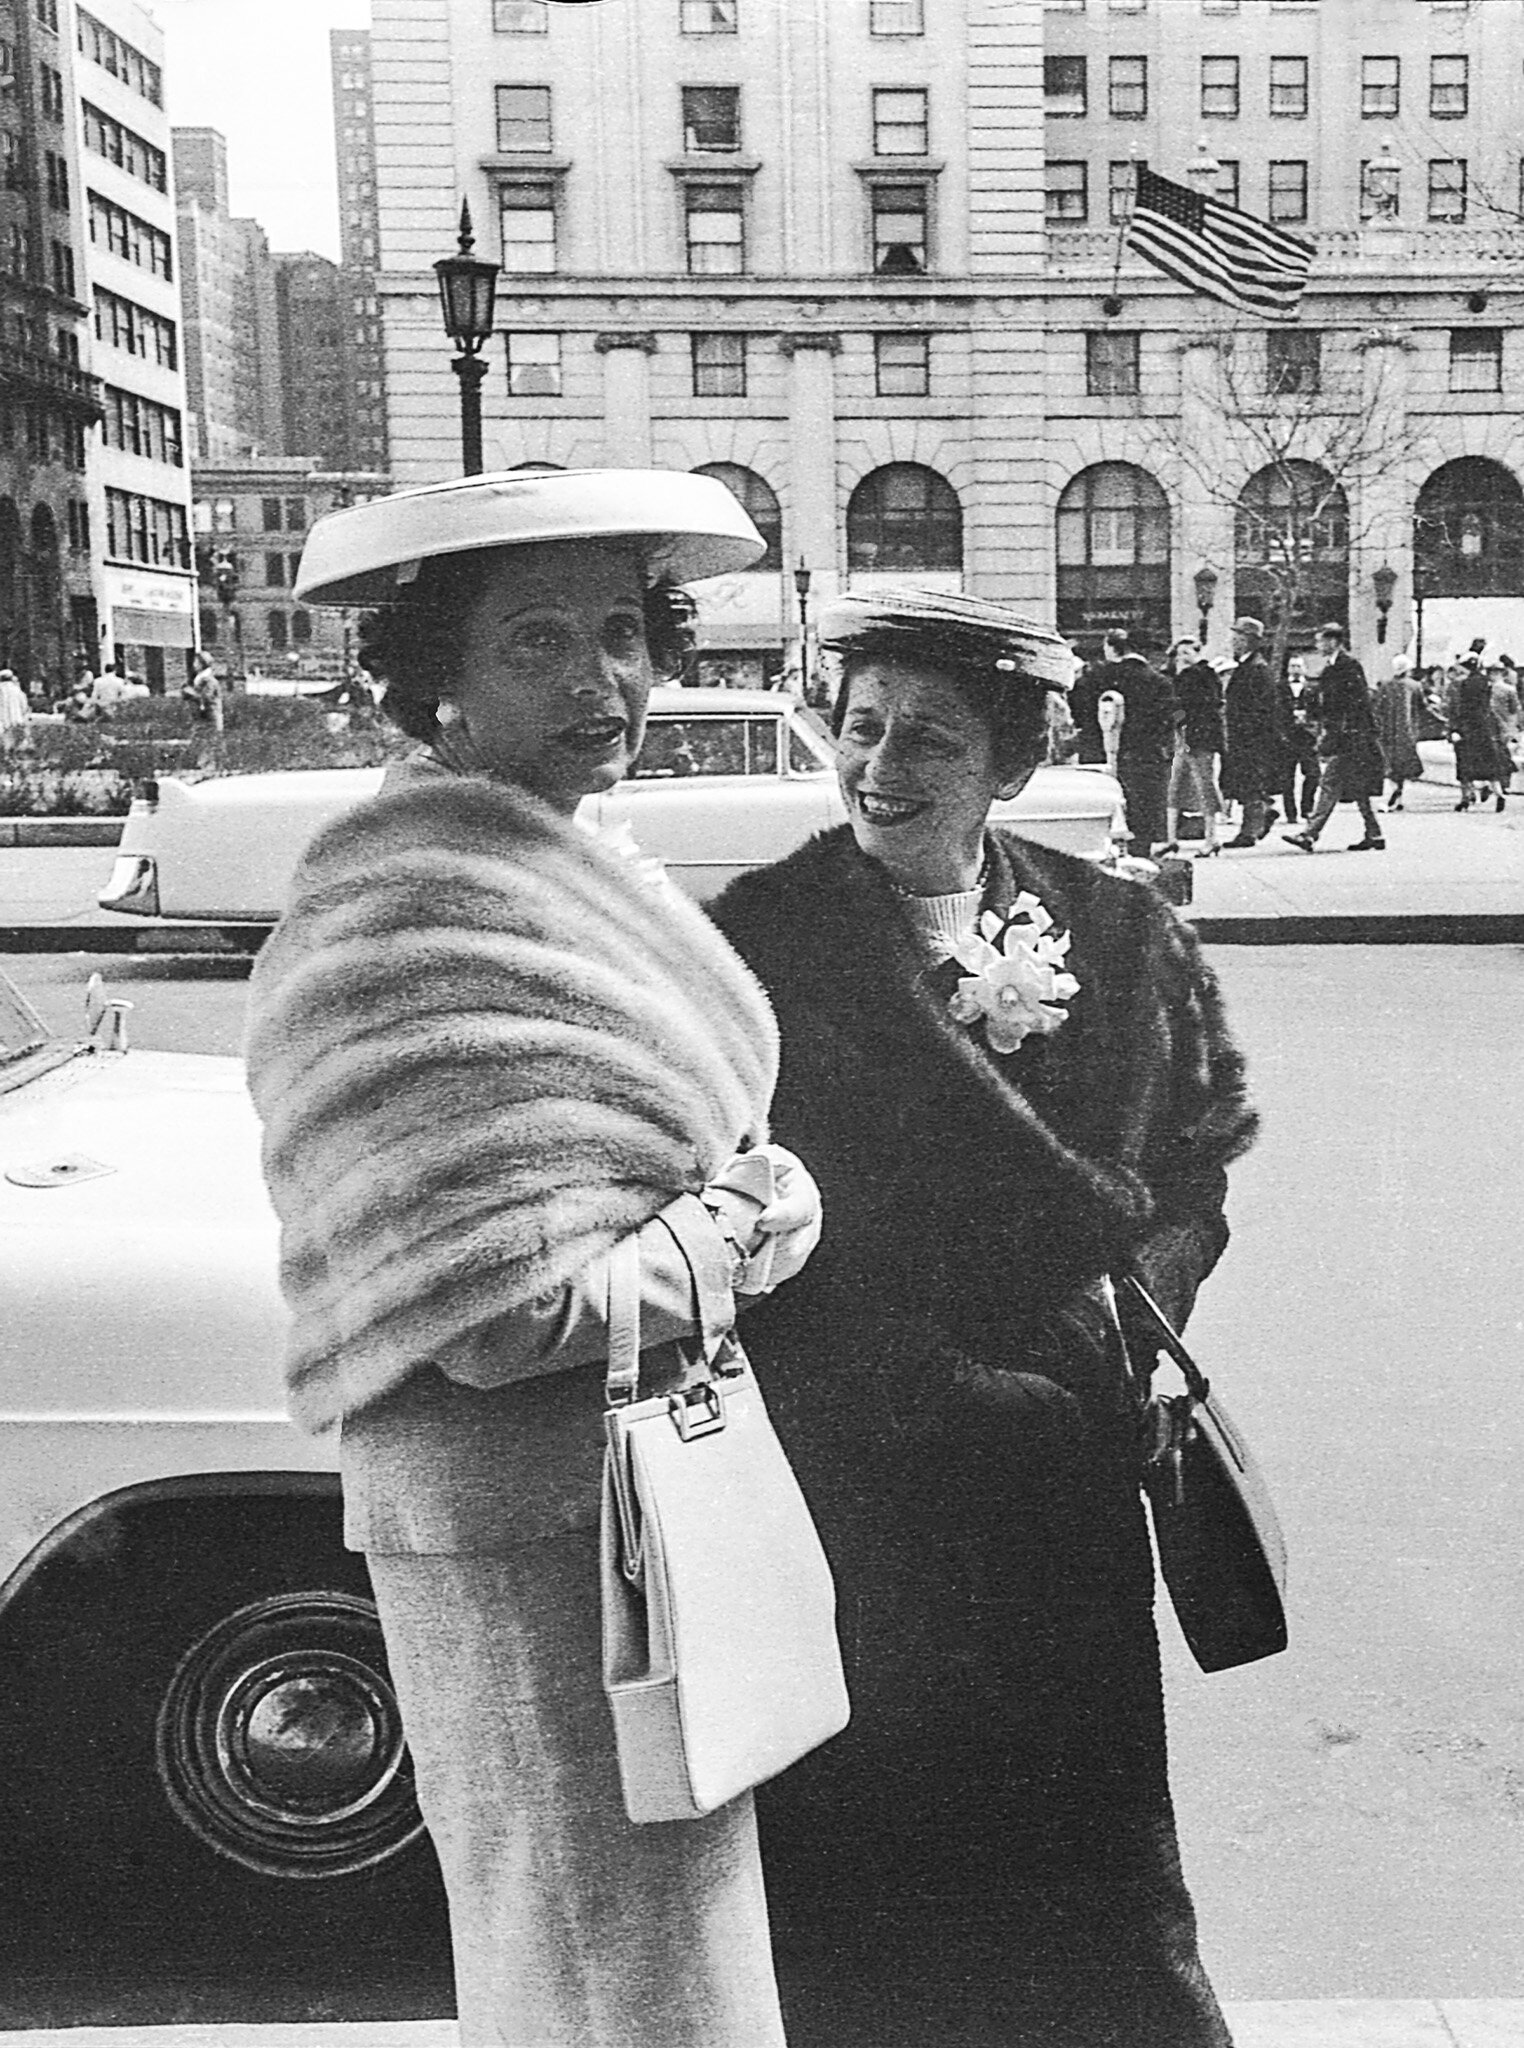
(1394, 704)
(999, 1119)
(1480, 754)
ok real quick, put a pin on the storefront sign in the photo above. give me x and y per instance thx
(151, 607)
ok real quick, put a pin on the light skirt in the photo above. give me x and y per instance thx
(571, 1926)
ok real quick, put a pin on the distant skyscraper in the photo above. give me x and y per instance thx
(359, 241)
(211, 262)
(311, 301)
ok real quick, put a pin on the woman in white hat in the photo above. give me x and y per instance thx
(487, 1048)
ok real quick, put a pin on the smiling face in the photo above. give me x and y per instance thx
(554, 670)
(918, 772)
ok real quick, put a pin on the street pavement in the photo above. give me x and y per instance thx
(1393, 2023)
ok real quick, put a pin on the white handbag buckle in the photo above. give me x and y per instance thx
(697, 1410)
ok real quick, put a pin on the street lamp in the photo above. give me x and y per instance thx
(1206, 595)
(1385, 581)
(466, 286)
(802, 581)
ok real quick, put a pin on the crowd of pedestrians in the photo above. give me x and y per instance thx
(1195, 738)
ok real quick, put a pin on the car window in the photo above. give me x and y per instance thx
(810, 749)
(708, 746)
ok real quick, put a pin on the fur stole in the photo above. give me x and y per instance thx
(483, 1050)
(968, 1196)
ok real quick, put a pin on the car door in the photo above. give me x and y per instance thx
(716, 793)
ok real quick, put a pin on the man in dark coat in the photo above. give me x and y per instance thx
(1351, 766)
(1147, 741)
(1251, 765)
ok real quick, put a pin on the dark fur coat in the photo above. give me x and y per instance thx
(942, 1377)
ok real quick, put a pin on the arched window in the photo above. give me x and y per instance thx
(275, 628)
(904, 517)
(759, 501)
(301, 628)
(1468, 532)
(1113, 554)
(1291, 549)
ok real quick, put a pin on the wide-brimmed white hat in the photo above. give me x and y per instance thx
(684, 526)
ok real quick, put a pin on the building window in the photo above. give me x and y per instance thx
(301, 627)
(904, 516)
(135, 241)
(900, 235)
(711, 118)
(1120, 180)
(1380, 88)
(1064, 90)
(1068, 193)
(759, 502)
(107, 137)
(146, 530)
(521, 17)
(275, 571)
(1288, 190)
(275, 629)
(719, 365)
(716, 230)
(1227, 180)
(58, 182)
(51, 86)
(103, 47)
(1447, 188)
(900, 123)
(1380, 188)
(1219, 88)
(896, 18)
(1111, 364)
(63, 270)
(1293, 360)
(707, 17)
(1476, 359)
(528, 217)
(1288, 88)
(1449, 88)
(224, 515)
(269, 512)
(902, 365)
(534, 365)
(79, 527)
(523, 119)
(1127, 89)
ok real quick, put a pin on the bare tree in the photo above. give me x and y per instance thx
(1292, 430)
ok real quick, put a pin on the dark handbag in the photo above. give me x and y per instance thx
(1220, 1544)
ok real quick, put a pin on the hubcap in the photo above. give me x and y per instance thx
(279, 1740)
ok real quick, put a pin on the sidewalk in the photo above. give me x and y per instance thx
(1310, 2023)
(1443, 878)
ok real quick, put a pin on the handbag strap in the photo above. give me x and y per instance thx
(1166, 1337)
(716, 1317)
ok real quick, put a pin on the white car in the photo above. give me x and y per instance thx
(727, 780)
(197, 1711)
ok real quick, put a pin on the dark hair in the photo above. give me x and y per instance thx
(1014, 709)
(1333, 630)
(1119, 638)
(414, 646)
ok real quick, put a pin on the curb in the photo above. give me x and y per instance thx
(230, 940)
(1366, 928)
(61, 831)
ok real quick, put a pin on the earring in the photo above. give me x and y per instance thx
(446, 713)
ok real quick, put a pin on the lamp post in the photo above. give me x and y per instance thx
(1385, 581)
(1206, 595)
(466, 287)
(802, 581)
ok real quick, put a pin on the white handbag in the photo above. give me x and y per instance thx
(720, 1658)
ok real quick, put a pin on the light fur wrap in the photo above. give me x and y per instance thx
(483, 1051)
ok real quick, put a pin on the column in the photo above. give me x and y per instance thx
(814, 527)
(626, 398)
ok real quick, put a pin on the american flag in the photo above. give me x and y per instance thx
(1215, 249)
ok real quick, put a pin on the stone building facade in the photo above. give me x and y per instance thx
(861, 258)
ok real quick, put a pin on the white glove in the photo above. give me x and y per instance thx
(788, 1225)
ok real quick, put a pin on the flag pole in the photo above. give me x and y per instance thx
(1112, 304)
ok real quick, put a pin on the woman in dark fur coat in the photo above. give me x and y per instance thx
(999, 1117)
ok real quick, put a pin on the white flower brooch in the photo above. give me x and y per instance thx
(1016, 979)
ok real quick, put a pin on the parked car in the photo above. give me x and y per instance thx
(727, 780)
(195, 1708)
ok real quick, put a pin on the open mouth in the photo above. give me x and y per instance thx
(592, 735)
(887, 810)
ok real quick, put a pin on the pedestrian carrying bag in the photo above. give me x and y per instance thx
(1220, 1544)
(720, 1658)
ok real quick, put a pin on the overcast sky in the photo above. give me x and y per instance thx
(258, 70)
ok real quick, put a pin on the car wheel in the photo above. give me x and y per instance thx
(201, 1707)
